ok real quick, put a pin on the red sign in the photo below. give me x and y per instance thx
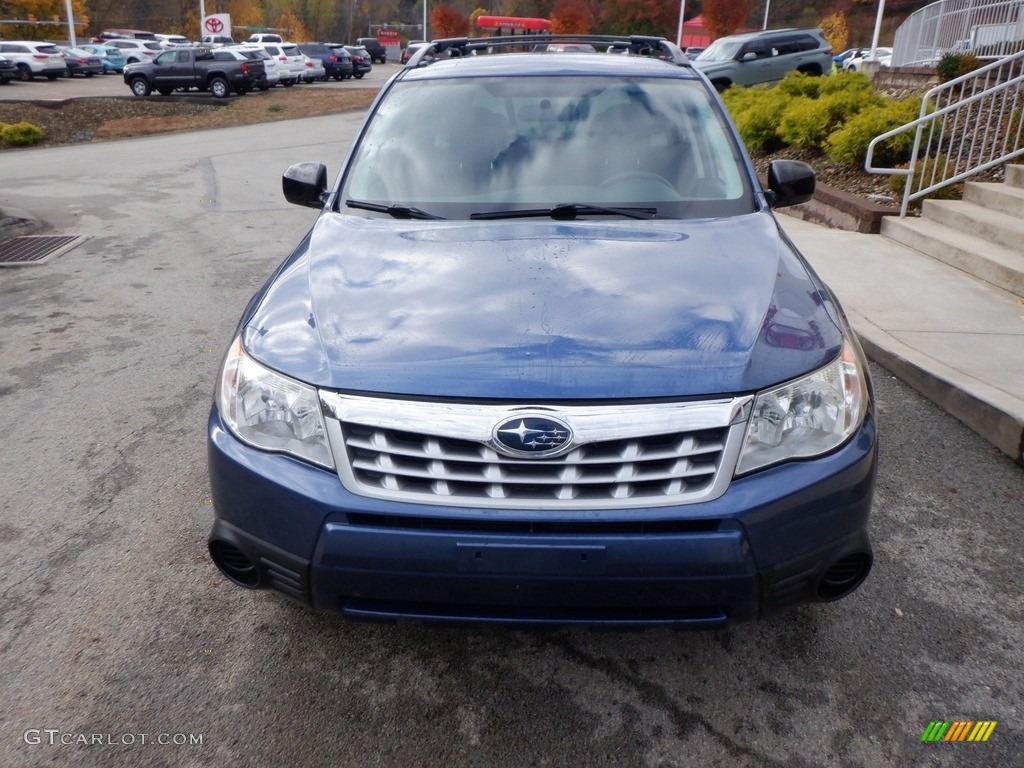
(214, 25)
(388, 36)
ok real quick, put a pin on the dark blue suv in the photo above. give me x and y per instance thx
(545, 357)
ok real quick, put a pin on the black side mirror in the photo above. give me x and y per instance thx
(305, 184)
(790, 182)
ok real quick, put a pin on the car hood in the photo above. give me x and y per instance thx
(538, 310)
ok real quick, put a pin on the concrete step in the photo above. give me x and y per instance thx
(996, 197)
(993, 226)
(956, 339)
(1015, 175)
(1002, 267)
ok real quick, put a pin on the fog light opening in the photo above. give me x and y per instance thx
(844, 576)
(235, 564)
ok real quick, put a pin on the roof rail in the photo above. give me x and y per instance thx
(637, 45)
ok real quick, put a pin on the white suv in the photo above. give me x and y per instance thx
(34, 58)
(291, 65)
(270, 64)
(136, 50)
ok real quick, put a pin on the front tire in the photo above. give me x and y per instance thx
(140, 87)
(219, 88)
(359, 76)
(24, 73)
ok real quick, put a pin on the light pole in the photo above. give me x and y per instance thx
(425, 38)
(679, 31)
(767, 5)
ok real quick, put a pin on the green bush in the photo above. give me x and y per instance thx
(807, 123)
(849, 144)
(799, 84)
(953, 65)
(756, 112)
(847, 82)
(931, 170)
(21, 134)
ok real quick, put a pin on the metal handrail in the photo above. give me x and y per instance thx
(972, 123)
(989, 29)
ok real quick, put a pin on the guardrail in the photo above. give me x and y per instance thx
(966, 126)
(990, 29)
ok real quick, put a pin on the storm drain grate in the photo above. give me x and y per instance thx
(34, 248)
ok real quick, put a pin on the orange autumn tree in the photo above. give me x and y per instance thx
(571, 17)
(723, 17)
(445, 21)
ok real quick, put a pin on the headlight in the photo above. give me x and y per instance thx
(270, 411)
(806, 417)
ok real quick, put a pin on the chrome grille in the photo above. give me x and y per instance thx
(621, 456)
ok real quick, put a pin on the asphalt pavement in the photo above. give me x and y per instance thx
(123, 646)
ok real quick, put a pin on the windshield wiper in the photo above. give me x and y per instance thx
(567, 212)
(395, 211)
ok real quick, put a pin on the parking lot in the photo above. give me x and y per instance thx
(41, 89)
(124, 646)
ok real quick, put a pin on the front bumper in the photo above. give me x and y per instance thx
(775, 539)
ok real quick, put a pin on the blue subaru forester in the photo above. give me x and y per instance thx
(545, 357)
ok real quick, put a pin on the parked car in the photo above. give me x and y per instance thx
(216, 41)
(136, 50)
(336, 60)
(81, 62)
(265, 37)
(8, 70)
(375, 48)
(361, 62)
(111, 58)
(764, 57)
(270, 64)
(290, 64)
(32, 58)
(855, 63)
(564, 368)
(694, 51)
(315, 70)
(221, 71)
(411, 47)
(564, 48)
(124, 34)
(841, 58)
(173, 41)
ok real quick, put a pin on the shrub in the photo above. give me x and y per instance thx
(807, 123)
(926, 169)
(799, 84)
(849, 144)
(21, 134)
(846, 82)
(953, 65)
(756, 112)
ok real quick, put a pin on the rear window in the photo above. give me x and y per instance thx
(153, 46)
(47, 49)
(291, 50)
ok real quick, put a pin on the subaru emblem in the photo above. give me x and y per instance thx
(532, 436)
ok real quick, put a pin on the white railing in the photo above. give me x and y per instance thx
(990, 29)
(966, 126)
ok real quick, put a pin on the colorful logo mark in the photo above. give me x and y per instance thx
(958, 730)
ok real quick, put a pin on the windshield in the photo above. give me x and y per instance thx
(720, 50)
(462, 147)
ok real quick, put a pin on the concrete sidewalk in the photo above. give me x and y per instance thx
(956, 339)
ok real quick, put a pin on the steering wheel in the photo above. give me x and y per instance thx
(648, 175)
